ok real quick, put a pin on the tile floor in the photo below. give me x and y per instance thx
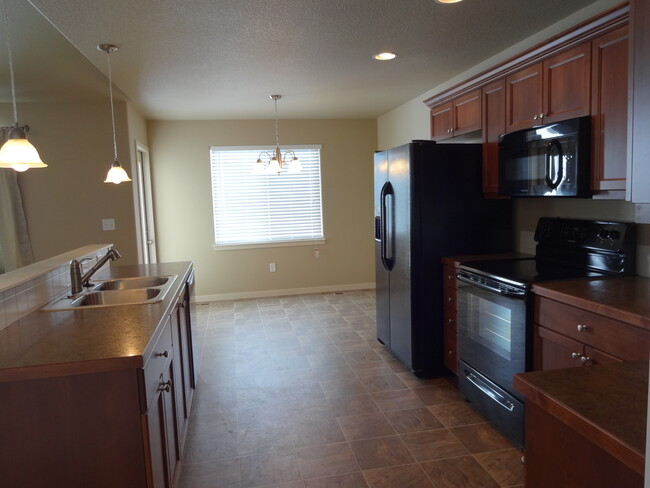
(296, 392)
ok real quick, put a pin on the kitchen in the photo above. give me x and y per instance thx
(173, 141)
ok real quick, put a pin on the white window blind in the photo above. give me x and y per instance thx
(257, 209)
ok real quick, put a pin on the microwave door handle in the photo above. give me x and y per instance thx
(559, 171)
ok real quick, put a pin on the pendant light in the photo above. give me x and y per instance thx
(116, 174)
(274, 162)
(17, 153)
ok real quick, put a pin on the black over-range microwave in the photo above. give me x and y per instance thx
(551, 160)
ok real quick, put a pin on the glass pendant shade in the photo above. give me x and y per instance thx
(18, 153)
(274, 166)
(116, 174)
(295, 166)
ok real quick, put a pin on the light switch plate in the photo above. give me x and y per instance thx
(108, 224)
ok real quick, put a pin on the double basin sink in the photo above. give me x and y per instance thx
(119, 291)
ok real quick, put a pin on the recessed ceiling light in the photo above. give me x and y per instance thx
(448, 1)
(385, 56)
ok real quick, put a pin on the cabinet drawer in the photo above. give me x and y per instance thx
(161, 354)
(611, 336)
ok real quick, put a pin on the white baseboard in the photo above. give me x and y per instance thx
(285, 292)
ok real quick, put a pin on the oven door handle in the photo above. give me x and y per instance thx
(485, 388)
(520, 294)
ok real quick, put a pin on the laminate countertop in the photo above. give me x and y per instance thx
(625, 298)
(46, 344)
(607, 404)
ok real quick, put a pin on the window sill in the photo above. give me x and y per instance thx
(232, 247)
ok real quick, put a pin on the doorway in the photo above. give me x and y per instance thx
(144, 210)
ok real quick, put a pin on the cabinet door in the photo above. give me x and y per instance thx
(524, 98)
(467, 113)
(609, 82)
(555, 351)
(566, 84)
(441, 122)
(162, 432)
(450, 340)
(184, 363)
(494, 124)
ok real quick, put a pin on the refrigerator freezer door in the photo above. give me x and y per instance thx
(399, 232)
(382, 275)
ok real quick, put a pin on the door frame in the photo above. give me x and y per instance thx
(142, 181)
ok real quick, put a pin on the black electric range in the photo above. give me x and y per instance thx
(494, 307)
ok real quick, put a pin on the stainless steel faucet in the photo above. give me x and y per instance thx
(77, 281)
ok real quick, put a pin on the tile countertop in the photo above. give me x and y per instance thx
(604, 403)
(46, 344)
(623, 298)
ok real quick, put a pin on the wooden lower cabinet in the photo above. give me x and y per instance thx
(566, 336)
(557, 456)
(108, 429)
(449, 316)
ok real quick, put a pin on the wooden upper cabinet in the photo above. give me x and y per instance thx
(609, 84)
(494, 124)
(566, 84)
(467, 113)
(460, 116)
(442, 122)
(554, 89)
(524, 98)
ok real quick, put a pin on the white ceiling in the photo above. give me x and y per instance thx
(221, 59)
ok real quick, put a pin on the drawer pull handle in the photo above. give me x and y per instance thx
(582, 328)
(166, 386)
(576, 355)
(162, 354)
(585, 360)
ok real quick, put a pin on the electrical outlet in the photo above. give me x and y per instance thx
(316, 253)
(272, 267)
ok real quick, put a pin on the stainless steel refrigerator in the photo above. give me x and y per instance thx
(428, 204)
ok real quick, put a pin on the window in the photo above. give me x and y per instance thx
(253, 210)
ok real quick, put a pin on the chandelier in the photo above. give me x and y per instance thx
(273, 162)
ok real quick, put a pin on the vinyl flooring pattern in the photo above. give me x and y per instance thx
(296, 392)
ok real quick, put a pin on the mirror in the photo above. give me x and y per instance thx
(63, 98)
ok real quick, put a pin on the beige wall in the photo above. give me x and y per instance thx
(66, 202)
(183, 206)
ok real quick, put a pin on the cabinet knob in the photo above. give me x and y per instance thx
(541, 116)
(582, 328)
(576, 355)
(585, 360)
(450, 277)
(535, 117)
(450, 352)
(450, 321)
(166, 386)
(162, 354)
(450, 299)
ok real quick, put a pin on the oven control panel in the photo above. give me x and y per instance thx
(586, 234)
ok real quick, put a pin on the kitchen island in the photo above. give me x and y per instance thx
(99, 396)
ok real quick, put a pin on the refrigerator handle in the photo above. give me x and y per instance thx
(387, 189)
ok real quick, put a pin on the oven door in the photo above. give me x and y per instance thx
(492, 335)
